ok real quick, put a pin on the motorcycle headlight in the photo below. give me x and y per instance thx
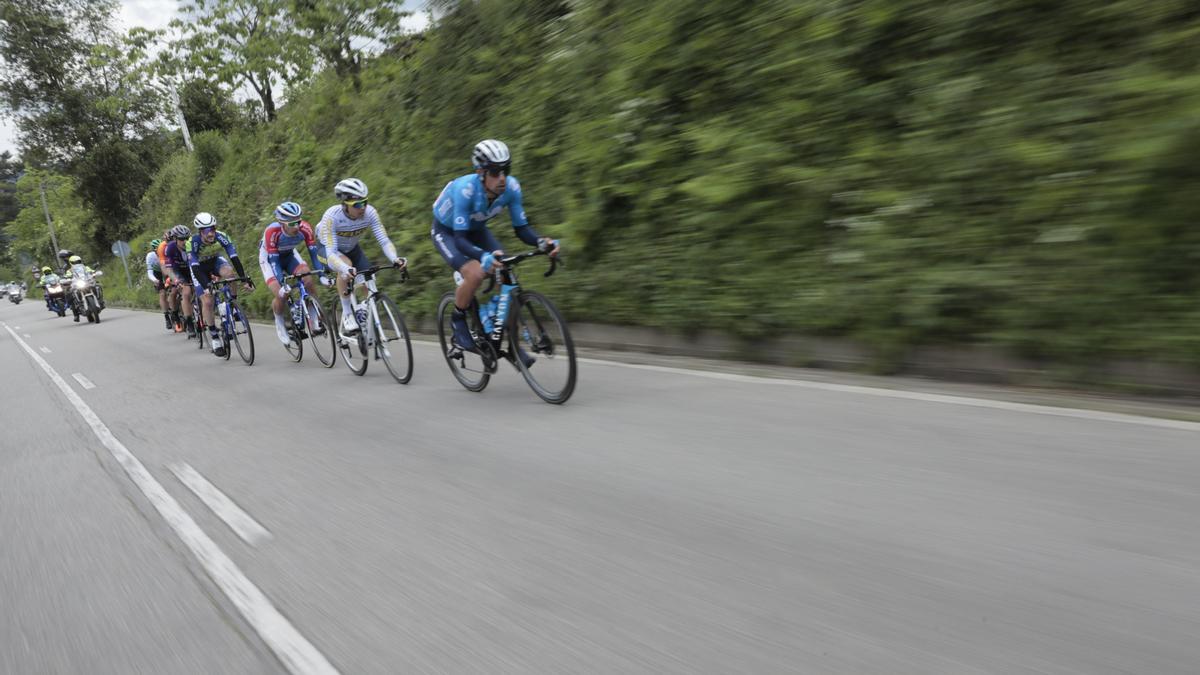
(79, 284)
(56, 288)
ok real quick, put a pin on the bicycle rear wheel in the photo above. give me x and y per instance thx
(467, 367)
(352, 347)
(243, 339)
(325, 344)
(539, 330)
(392, 343)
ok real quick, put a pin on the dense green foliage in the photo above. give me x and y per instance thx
(1004, 172)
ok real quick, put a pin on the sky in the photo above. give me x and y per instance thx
(157, 14)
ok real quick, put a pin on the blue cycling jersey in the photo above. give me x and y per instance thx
(463, 204)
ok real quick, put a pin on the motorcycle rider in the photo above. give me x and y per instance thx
(45, 279)
(76, 266)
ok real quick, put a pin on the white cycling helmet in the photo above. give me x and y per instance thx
(490, 153)
(204, 220)
(350, 188)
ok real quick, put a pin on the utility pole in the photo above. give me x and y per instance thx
(187, 137)
(49, 223)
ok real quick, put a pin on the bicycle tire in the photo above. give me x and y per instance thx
(351, 345)
(295, 347)
(311, 307)
(531, 328)
(237, 318)
(466, 367)
(385, 311)
(201, 327)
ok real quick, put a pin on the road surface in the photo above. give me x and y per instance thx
(175, 513)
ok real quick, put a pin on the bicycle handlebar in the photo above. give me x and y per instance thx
(226, 282)
(513, 260)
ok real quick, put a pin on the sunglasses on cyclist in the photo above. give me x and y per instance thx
(290, 223)
(497, 170)
(357, 203)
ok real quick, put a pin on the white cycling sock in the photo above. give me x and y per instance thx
(347, 306)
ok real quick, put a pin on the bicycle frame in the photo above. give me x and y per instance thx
(510, 287)
(304, 294)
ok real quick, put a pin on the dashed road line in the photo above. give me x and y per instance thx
(238, 520)
(45, 350)
(296, 653)
(83, 381)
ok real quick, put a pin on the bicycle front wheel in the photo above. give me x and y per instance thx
(295, 348)
(352, 347)
(466, 366)
(201, 328)
(541, 347)
(392, 343)
(321, 334)
(243, 339)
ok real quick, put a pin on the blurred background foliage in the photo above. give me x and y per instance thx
(1003, 172)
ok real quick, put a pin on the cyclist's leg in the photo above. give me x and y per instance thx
(471, 274)
(206, 271)
(356, 258)
(185, 305)
(268, 274)
(225, 271)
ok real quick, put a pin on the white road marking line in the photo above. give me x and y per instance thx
(238, 520)
(296, 653)
(1096, 415)
(45, 350)
(83, 381)
(27, 335)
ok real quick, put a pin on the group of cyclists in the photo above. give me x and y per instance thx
(184, 263)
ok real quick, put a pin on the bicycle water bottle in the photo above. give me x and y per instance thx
(360, 312)
(221, 308)
(297, 315)
(487, 313)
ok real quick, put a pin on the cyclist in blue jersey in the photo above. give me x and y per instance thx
(277, 256)
(460, 231)
(204, 257)
(338, 232)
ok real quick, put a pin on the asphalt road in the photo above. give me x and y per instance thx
(663, 521)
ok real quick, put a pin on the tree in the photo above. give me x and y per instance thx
(335, 27)
(238, 42)
(80, 102)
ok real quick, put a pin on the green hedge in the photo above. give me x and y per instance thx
(1012, 173)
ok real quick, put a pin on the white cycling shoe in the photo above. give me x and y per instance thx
(282, 333)
(349, 325)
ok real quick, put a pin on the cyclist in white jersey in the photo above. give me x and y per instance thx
(339, 231)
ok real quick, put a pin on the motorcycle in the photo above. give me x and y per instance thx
(15, 295)
(56, 296)
(85, 291)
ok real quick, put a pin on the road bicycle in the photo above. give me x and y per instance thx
(234, 326)
(381, 330)
(523, 327)
(306, 319)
